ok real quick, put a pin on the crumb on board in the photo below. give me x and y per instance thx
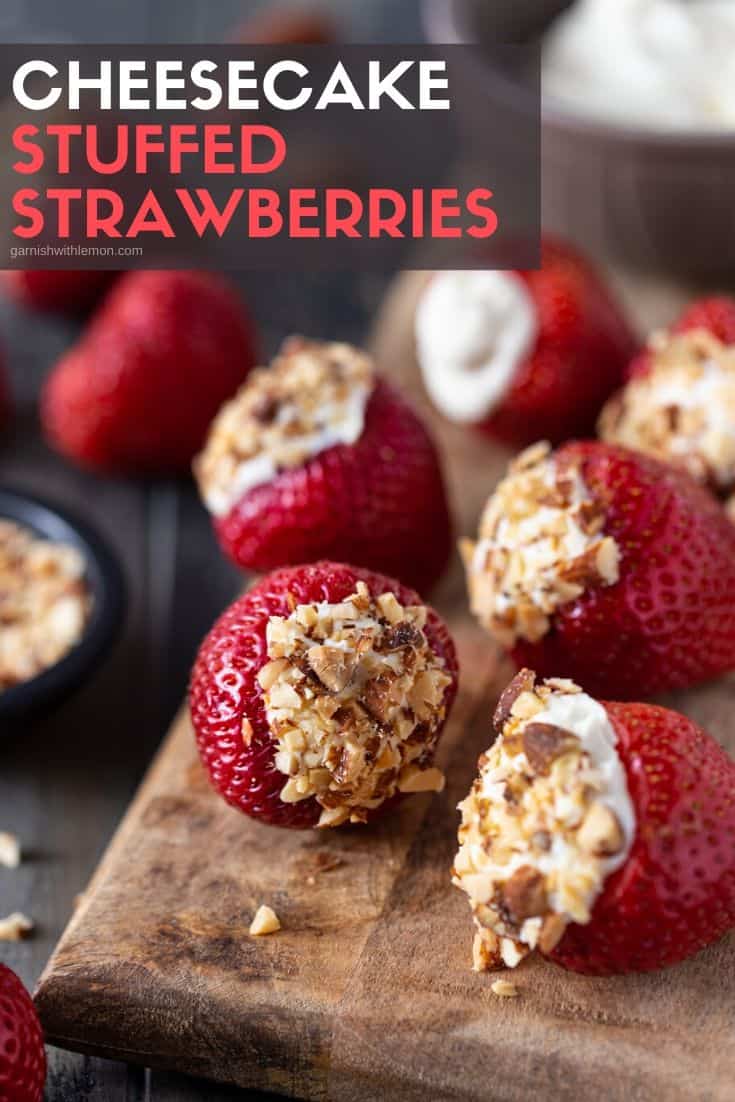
(9, 850)
(15, 927)
(266, 921)
(505, 989)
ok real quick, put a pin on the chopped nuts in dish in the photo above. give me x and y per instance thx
(44, 603)
(312, 397)
(9, 850)
(683, 410)
(266, 921)
(355, 700)
(541, 544)
(15, 927)
(547, 820)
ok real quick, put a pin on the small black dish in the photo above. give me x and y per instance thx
(105, 580)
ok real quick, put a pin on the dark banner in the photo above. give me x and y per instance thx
(250, 157)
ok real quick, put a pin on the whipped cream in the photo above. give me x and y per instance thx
(664, 64)
(473, 331)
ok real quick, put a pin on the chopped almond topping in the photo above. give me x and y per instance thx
(504, 989)
(266, 921)
(682, 410)
(548, 818)
(541, 545)
(45, 603)
(312, 397)
(15, 927)
(9, 850)
(355, 700)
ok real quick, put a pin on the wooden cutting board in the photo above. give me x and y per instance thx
(367, 990)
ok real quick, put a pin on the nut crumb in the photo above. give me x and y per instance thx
(266, 921)
(15, 927)
(505, 989)
(9, 850)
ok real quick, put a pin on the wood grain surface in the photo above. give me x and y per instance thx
(367, 990)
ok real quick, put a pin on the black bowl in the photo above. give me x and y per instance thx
(105, 580)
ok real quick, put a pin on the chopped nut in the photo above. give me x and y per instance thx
(265, 922)
(247, 731)
(524, 894)
(504, 989)
(523, 681)
(270, 673)
(485, 951)
(552, 931)
(9, 850)
(333, 667)
(543, 743)
(600, 833)
(15, 927)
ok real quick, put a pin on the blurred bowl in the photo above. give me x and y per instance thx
(660, 200)
(104, 578)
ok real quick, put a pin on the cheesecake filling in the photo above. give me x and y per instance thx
(683, 410)
(541, 544)
(313, 397)
(548, 819)
(355, 700)
(473, 332)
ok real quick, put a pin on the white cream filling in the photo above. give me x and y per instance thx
(651, 63)
(473, 331)
(339, 424)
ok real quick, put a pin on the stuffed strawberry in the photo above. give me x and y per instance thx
(524, 355)
(608, 565)
(320, 696)
(22, 1055)
(137, 392)
(602, 835)
(679, 402)
(68, 292)
(319, 457)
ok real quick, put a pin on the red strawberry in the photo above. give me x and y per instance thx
(610, 566)
(370, 491)
(139, 389)
(69, 292)
(22, 1055)
(527, 354)
(355, 675)
(714, 315)
(601, 834)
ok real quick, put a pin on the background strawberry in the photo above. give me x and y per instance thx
(137, 392)
(224, 687)
(380, 502)
(716, 315)
(288, 25)
(670, 619)
(22, 1055)
(582, 348)
(69, 292)
(676, 891)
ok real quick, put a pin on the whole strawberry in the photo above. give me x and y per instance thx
(608, 565)
(68, 292)
(22, 1055)
(137, 392)
(679, 402)
(524, 355)
(319, 457)
(602, 835)
(319, 696)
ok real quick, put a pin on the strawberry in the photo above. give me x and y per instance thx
(524, 355)
(68, 292)
(319, 457)
(601, 834)
(319, 696)
(22, 1055)
(608, 565)
(139, 389)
